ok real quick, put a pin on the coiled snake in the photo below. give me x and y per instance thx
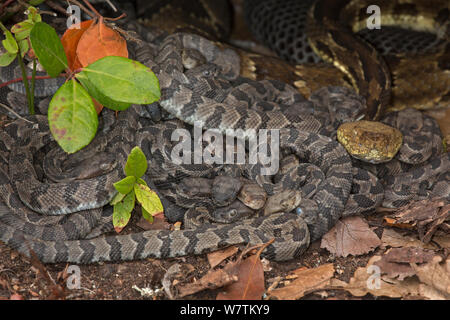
(218, 101)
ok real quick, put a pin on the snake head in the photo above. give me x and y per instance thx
(207, 70)
(99, 165)
(192, 58)
(284, 201)
(232, 213)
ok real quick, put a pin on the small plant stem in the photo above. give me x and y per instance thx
(33, 80)
(4, 84)
(89, 5)
(8, 2)
(25, 83)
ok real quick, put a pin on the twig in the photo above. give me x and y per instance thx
(111, 5)
(5, 5)
(118, 18)
(14, 113)
(4, 84)
(57, 7)
(25, 82)
(91, 7)
(33, 80)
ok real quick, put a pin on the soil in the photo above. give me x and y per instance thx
(21, 277)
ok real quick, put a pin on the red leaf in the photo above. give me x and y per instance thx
(70, 40)
(99, 41)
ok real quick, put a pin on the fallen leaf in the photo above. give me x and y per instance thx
(216, 257)
(350, 236)
(431, 293)
(306, 280)
(395, 263)
(250, 285)
(391, 222)
(443, 241)
(394, 239)
(426, 215)
(367, 280)
(159, 223)
(212, 280)
(435, 274)
(15, 296)
(167, 279)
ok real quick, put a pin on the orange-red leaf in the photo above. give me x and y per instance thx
(70, 41)
(99, 41)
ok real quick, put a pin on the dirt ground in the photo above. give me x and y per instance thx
(18, 276)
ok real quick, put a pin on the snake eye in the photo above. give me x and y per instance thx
(105, 166)
(233, 213)
(206, 73)
(298, 211)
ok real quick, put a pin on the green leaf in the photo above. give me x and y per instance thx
(24, 47)
(148, 199)
(33, 14)
(125, 185)
(48, 48)
(140, 181)
(117, 198)
(101, 98)
(136, 163)
(122, 211)
(10, 43)
(147, 216)
(22, 29)
(72, 117)
(7, 58)
(123, 80)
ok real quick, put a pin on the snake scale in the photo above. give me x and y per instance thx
(217, 99)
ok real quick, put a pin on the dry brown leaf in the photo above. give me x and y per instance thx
(431, 293)
(391, 222)
(426, 215)
(443, 241)
(242, 271)
(394, 239)
(216, 257)
(351, 235)
(307, 280)
(212, 280)
(167, 279)
(431, 281)
(365, 281)
(435, 274)
(159, 223)
(395, 263)
(250, 285)
(15, 296)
